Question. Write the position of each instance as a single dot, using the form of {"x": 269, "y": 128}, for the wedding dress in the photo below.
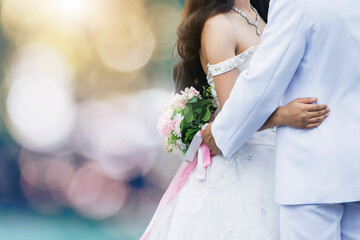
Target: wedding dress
{"x": 235, "y": 201}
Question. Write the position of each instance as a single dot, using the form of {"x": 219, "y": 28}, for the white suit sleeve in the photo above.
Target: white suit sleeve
{"x": 258, "y": 91}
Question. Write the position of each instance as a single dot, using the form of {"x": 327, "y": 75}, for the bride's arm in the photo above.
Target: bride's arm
{"x": 300, "y": 113}
{"x": 219, "y": 44}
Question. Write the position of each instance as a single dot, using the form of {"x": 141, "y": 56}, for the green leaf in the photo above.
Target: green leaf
{"x": 184, "y": 126}
{"x": 176, "y": 111}
{"x": 193, "y": 100}
{"x": 201, "y": 103}
{"x": 190, "y": 133}
{"x": 207, "y": 115}
{"x": 198, "y": 110}
{"x": 173, "y": 138}
{"x": 188, "y": 114}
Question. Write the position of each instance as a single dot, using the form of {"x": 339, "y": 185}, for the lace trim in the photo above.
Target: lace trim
{"x": 228, "y": 65}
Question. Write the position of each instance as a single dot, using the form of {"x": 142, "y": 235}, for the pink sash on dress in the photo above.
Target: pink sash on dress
{"x": 178, "y": 182}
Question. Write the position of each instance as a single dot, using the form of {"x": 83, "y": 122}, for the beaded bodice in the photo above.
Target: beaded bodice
{"x": 240, "y": 61}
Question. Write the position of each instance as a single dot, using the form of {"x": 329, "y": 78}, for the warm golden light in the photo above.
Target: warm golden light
{"x": 123, "y": 37}
{"x": 127, "y": 46}
{"x": 71, "y": 11}
{"x": 165, "y": 20}
{"x": 20, "y": 18}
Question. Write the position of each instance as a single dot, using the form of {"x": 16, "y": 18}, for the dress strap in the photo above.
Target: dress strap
{"x": 230, "y": 64}
{"x": 223, "y": 67}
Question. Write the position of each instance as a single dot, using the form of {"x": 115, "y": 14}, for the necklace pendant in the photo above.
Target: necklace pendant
{"x": 258, "y": 31}
{"x": 250, "y": 22}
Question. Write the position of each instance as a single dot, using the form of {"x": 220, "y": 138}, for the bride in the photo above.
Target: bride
{"x": 235, "y": 201}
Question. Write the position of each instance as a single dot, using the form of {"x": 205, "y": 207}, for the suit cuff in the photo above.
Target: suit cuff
{"x": 217, "y": 134}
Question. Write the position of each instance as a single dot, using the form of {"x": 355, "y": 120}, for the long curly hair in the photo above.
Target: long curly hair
{"x": 188, "y": 71}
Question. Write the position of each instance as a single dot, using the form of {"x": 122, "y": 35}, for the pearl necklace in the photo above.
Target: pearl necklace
{"x": 251, "y": 22}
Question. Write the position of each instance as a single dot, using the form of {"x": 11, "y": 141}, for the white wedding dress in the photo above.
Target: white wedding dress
{"x": 235, "y": 201}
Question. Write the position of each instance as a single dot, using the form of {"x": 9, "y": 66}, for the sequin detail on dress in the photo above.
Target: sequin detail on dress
{"x": 238, "y": 61}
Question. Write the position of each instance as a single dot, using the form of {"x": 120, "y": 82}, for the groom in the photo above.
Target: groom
{"x": 309, "y": 48}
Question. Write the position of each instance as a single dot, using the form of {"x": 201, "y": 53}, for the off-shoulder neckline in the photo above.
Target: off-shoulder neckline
{"x": 236, "y": 56}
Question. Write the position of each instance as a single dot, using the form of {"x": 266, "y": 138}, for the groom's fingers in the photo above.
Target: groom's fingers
{"x": 306, "y": 100}
{"x": 312, "y": 125}
{"x": 215, "y": 152}
{"x": 318, "y": 119}
{"x": 210, "y": 141}
{"x": 316, "y": 107}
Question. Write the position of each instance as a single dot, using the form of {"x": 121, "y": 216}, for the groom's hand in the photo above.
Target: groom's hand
{"x": 210, "y": 141}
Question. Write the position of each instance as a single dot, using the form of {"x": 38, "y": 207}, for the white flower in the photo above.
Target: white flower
{"x": 189, "y": 93}
{"x": 180, "y": 145}
{"x": 176, "y": 122}
{"x": 168, "y": 146}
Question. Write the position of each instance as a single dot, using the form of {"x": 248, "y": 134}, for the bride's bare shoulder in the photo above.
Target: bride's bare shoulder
{"x": 218, "y": 41}
{"x": 218, "y": 24}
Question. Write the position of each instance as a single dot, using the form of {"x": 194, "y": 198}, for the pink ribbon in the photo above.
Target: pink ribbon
{"x": 205, "y": 151}
{"x": 179, "y": 181}
{"x": 206, "y": 155}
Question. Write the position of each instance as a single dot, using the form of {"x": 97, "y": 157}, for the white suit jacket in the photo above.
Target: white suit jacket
{"x": 310, "y": 48}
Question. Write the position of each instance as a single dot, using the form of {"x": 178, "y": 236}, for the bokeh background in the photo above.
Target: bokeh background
{"x": 81, "y": 85}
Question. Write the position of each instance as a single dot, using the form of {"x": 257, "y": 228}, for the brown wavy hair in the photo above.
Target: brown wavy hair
{"x": 188, "y": 71}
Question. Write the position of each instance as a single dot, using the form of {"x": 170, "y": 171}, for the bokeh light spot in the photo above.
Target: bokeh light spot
{"x": 41, "y": 112}
{"x": 123, "y": 37}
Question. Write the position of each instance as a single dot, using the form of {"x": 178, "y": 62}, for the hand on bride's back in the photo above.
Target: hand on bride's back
{"x": 302, "y": 113}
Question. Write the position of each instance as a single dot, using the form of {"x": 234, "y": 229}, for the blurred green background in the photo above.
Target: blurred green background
{"x": 81, "y": 85}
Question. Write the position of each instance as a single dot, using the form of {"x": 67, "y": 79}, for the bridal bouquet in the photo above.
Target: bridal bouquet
{"x": 185, "y": 116}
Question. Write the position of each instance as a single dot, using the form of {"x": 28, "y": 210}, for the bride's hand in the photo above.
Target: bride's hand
{"x": 302, "y": 113}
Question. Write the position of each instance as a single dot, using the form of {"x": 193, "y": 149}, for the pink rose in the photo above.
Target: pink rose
{"x": 163, "y": 124}
{"x": 178, "y": 101}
